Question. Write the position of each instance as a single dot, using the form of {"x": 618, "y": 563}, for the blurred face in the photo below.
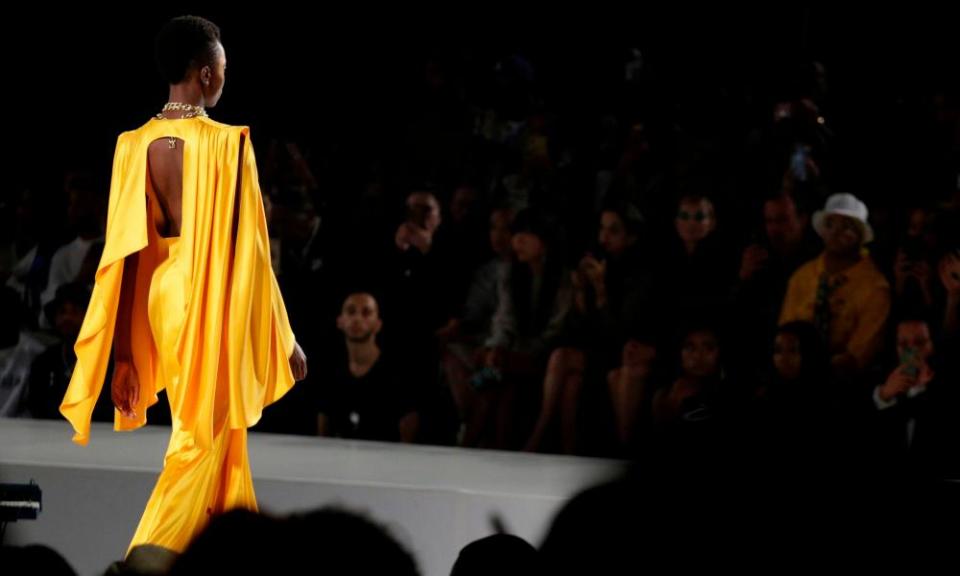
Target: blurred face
{"x": 300, "y": 224}
{"x": 700, "y": 356}
{"x": 613, "y": 236}
{"x": 842, "y": 235}
{"x": 917, "y": 223}
{"x": 787, "y": 359}
{"x": 500, "y": 233}
{"x": 68, "y": 319}
{"x": 783, "y": 225}
{"x": 695, "y": 220}
{"x": 461, "y": 203}
{"x": 359, "y": 318}
{"x": 424, "y": 211}
{"x": 213, "y": 77}
{"x": 528, "y": 247}
{"x": 914, "y": 342}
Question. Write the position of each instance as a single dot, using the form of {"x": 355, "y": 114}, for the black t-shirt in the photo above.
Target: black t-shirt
{"x": 369, "y": 407}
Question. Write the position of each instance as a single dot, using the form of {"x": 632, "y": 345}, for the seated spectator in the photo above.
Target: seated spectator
{"x": 50, "y": 372}
{"x": 612, "y": 290}
{"x": 367, "y": 393}
{"x": 464, "y": 353}
{"x": 841, "y": 292}
{"x": 918, "y": 404}
{"x": 765, "y": 269}
{"x": 534, "y": 298}
{"x": 18, "y": 349}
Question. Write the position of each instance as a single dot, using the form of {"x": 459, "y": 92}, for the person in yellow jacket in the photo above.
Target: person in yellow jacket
{"x": 841, "y": 291}
{"x": 185, "y": 296}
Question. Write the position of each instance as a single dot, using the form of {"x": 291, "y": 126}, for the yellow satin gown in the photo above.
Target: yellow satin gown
{"x": 209, "y": 324}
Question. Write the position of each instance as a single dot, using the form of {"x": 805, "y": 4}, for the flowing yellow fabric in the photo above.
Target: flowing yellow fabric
{"x": 208, "y": 324}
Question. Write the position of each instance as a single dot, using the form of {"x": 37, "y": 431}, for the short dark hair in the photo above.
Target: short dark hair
{"x": 628, "y": 213}
{"x": 184, "y": 42}
{"x": 532, "y": 221}
{"x": 342, "y": 533}
{"x": 783, "y": 195}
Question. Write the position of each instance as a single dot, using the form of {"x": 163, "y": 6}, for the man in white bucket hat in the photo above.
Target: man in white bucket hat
{"x": 844, "y": 205}
{"x": 841, "y": 291}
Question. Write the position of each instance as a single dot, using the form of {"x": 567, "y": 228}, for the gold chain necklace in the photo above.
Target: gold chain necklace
{"x": 189, "y": 111}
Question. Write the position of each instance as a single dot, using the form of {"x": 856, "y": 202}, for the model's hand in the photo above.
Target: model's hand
{"x": 125, "y": 388}
{"x": 298, "y": 363}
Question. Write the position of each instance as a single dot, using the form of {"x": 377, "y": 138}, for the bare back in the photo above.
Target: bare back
{"x": 165, "y": 170}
